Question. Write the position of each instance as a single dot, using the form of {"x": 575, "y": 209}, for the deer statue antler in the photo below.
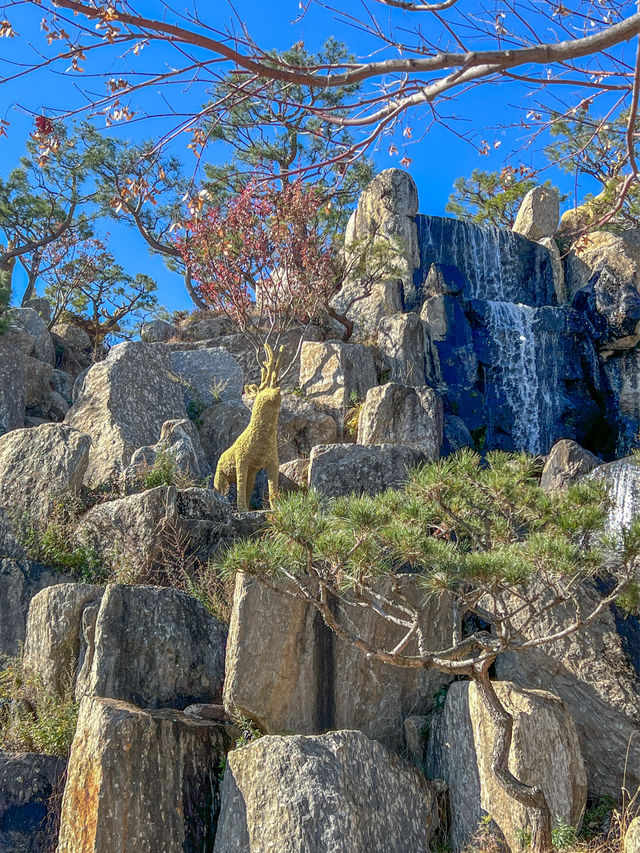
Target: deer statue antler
{"x": 269, "y": 373}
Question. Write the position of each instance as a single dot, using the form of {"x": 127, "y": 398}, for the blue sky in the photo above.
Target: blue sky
{"x": 438, "y": 158}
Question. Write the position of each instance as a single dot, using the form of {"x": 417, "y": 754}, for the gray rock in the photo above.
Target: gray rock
{"x": 141, "y": 780}
{"x": 157, "y": 331}
{"x": 592, "y": 672}
{"x": 407, "y": 353}
{"x": 52, "y": 644}
{"x": 10, "y": 545}
{"x": 544, "y": 740}
{"x": 333, "y": 374}
{"x": 29, "y": 805}
{"x": 396, "y": 414}
{"x": 339, "y": 469}
{"x": 38, "y": 375}
{"x": 74, "y": 352}
{"x": 71, "y": 336}
{"x": 178, "y": 439}
{"x": 322, "y": 681}
{"x": 294, "y": 475}
{"x": 13, "y": 382}
{"x": 39, "y": 464}
{"x": 208, "y": 376}
{"x": 155, "y": 647}
{"x": 338, "y": 792}
{"x": 557, "y": 267}
{"x": 206, "y": 329}
{"x": 29, "y": 321}
{"x": 62, "y": 383}
{"x": 539, "y": 213}
{"x": 301, "y": 427}
{"x": 42, "y": 306}
{"x": 123, "y": 402}
{"x": 58, "y": 407}
{"x": 566, "y": 464}
{"x": 455, "y": 435}
{"x": 20, "y": 580}
{"x": 220, "y": 425}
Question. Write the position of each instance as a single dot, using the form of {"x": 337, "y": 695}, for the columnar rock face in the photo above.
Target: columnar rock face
{"x": 141, "y": 781}
{"x": 123, "y": 403}
{"x": 28, "y": 802}
{"x": 13, "y": 385}
{"x": 596, "y": 673}
{"x": 385, "y": 219}
{"x": 339, "y": 469}
{"x": 289, "y": 673}
{"x": 155, "y": 647}
{"x": 339, "y": 792}
{"x": 539, "y": 214}
{"x": 407, "y": 353}
{"x": 39, "y": 464}
{"x": 20, "y": 580}
{"x": 178, "y": 440}
{"x": 208, "y": 376}
{"x": 545, "y": 751}
{"x": 333, "y": 374}
{"x": 52, "y": 645}
{"x": 566, "y": 464}
{"x": 395, "y": 414}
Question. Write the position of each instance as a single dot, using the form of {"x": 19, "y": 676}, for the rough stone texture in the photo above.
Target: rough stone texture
{"x": 338, "y": 792}
{"x": 566, "y": 464}
{"x": 339, "y": 469}
{"x": 28, "y": 320}
{"x": 396, "y": 414}
{"x": 557, "y": 267}
{"x": 455, "y": 435}
{"x": 38, "y": 464}
{"x": 10, "y": 546}
{"x": 27, "y": 785}
{"x": 20, "y": 580}
{"x": 41, "y": 305}
{"x": 157, "y": 331}
{"x": 545, "y": 751}
{"x": 178, "y": 439}
{"x": 322, "y": 682}
{"x": 52, "y": 644}
{"x": 330, "y": 373}
{"x": 632, "y": 837}
{"x": 13, "y": 382}
{"x": 72, "y": 336}
{"x": 407, "y": 353}
{"x": 206, "y": 329}
{"x": 38, "y": 377}
{"x": 122, "y": 404}
{"x": 593, "y": 673}
{"x": 295, "y": 474}
{"x": 208, "y": 376}
{"x": 539, "y": 213}
{"x": 302, "y": 426}
{"x": 385, "y": 215}
{"x": 221, "y": 425}
{"x": 141, "y": 781}
{"x": 156, "y": 647}
{"x": 62, "y": 383}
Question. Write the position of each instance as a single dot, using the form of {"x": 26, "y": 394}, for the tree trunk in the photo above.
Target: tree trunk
{"x": 531, "y": 797}
{"x": 200, "y": 305}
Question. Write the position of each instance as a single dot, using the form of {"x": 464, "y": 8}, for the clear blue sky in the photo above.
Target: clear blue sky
{"x": 437, "y": 158}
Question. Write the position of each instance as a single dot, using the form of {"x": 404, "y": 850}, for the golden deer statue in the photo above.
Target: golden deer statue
{"x": 257, "y": 446}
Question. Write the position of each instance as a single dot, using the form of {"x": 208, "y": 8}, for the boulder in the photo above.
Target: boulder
{"x": 141, "y": 780}
{"x": 30, "y": 785}
{"x": 39, "y": 464}
{"x": 338, "y": 792}
{"x": 294, "y": 475}
{"x": 301, "y": 427}
{"x": 157, "y": 331}
{"x": 396, "y": 414}
{"x": 566, "y": 464}
{"x": 220, "y": 425}
{"x": 455, "y": 435}
{"x": 385, "y": 219}
{"x": 339, "y": 469}
{"x": 72, "y": 337}
{"x": 41, "y": 305}
{"x": 53, "y": 638}
{"x": 62, "y": 383}
{"x": 545, "y": 751}
{"x": 557, "y": 267}
{"x": 178, "y": 440}
{"x": 405, "y": 345}
{"x": 156, "y": 647}
{"x": 208, "y": 376}
{"x": 322, "y": 681}
{"x": 13, "y": 383}
{"x": 632, "y": 837}
{"x": 28, "y": 320}
{"x": 38, "y": 376}
{"x": 206, "y": 329}
{"x": 123, "y": 403}
{"x": 10, "y": 546}
{"x": 593, "y": 672}
{"x": 20, "y": 580}
{"x": 539, "y": 214}
{"x": 334, "y": 374}
{"x": 73, "y": 348}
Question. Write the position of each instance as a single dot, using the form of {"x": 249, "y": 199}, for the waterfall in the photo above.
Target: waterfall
{"x": 623, "y": 477}
{"x": 523, "y": 374}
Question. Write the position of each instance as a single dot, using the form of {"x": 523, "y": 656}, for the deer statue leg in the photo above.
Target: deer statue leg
{"x": 242, "y": 483}
{"x": 272, "y": 478}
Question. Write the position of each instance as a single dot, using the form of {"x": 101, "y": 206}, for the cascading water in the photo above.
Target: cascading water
{"x": 523, "y": 374}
